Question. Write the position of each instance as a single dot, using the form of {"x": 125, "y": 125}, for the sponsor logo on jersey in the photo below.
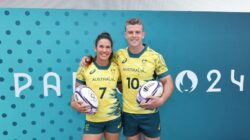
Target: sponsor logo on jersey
{"x": 92, "y": 71}
{"x": 124, "y": 61}
{"x": 144, "y": 61}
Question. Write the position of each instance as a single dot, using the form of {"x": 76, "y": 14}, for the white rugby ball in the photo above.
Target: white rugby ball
{"x": 86, "y": 95}
{"x": 150, "y": 88}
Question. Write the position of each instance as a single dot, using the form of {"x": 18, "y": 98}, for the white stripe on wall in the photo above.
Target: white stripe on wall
{"x": 156, "y": 5}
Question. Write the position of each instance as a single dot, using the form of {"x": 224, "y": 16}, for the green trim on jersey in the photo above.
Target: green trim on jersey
{"x": 103, "y": 81}
{"x": 163, "y": 75}
{"x": 137, "y": 55}
{"x": 102, "y": 67}
{"x": 81, "y": 82}
{"x": 137, "y": 69}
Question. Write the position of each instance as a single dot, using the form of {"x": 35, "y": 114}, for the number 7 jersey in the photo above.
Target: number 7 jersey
{"x": 103, "y": 81}
{"x": 136, "y": 69}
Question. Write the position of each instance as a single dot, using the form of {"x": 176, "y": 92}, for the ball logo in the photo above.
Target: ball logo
{"x": 93, "y": 97}
{"x": 145, "y": 89}
{"x": 186, "y": 81}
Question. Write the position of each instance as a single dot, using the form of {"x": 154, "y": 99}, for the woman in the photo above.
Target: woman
{"x": 102, "y": 76}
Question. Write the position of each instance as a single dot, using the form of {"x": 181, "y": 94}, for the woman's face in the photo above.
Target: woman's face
{"x": 103, "y": 49}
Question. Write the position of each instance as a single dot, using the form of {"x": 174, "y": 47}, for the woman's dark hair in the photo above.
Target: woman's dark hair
{"x": 105, "y": 35}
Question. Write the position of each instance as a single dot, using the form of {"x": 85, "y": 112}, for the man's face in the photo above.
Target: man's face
{"x": 134, "y": 35}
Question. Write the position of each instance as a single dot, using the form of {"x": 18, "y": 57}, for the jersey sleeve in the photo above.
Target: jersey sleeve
{"x": 80, "y": 76}
{"x": 115, "y": 57}
{"x": 161, "y": 67}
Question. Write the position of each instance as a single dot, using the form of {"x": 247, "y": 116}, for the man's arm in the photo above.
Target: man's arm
{"x": 86, "y": 61}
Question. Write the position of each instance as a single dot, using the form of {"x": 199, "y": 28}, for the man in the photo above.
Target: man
{"x": 138, "y": 64}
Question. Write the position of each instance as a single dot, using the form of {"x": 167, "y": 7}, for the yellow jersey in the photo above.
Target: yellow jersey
{"x": 103, "y": 81}
{"x": 136, "y": 69}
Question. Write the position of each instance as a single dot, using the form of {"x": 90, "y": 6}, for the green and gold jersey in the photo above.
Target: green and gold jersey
{"x": 103, "y": 81}
{"x": 136, "y": 69}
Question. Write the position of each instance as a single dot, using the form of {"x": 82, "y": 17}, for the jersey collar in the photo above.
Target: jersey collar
{"x": 102, "y": 67}
{"x": 138, "y": 54}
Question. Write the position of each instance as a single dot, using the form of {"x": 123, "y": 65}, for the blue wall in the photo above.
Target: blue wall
{"x": 209, "y": 45}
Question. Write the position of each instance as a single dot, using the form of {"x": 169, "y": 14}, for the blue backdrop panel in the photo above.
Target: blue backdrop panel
{"x": 207, "y": 53}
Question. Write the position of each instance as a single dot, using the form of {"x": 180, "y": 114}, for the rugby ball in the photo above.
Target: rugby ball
{"x": 86, "y": 95}
{"x": 150, "y": 88}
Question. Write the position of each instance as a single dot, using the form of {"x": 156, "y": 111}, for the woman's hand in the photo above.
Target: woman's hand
{"x": 80, "y": 107}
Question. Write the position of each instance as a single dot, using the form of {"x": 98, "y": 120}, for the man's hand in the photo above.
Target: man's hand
{"x": 153, "y": 103}
{"x": 86, "y": 61}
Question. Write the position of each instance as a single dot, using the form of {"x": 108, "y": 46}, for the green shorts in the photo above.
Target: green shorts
{"x": 112, "y": 126}
{"x": 148, "y": 124}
